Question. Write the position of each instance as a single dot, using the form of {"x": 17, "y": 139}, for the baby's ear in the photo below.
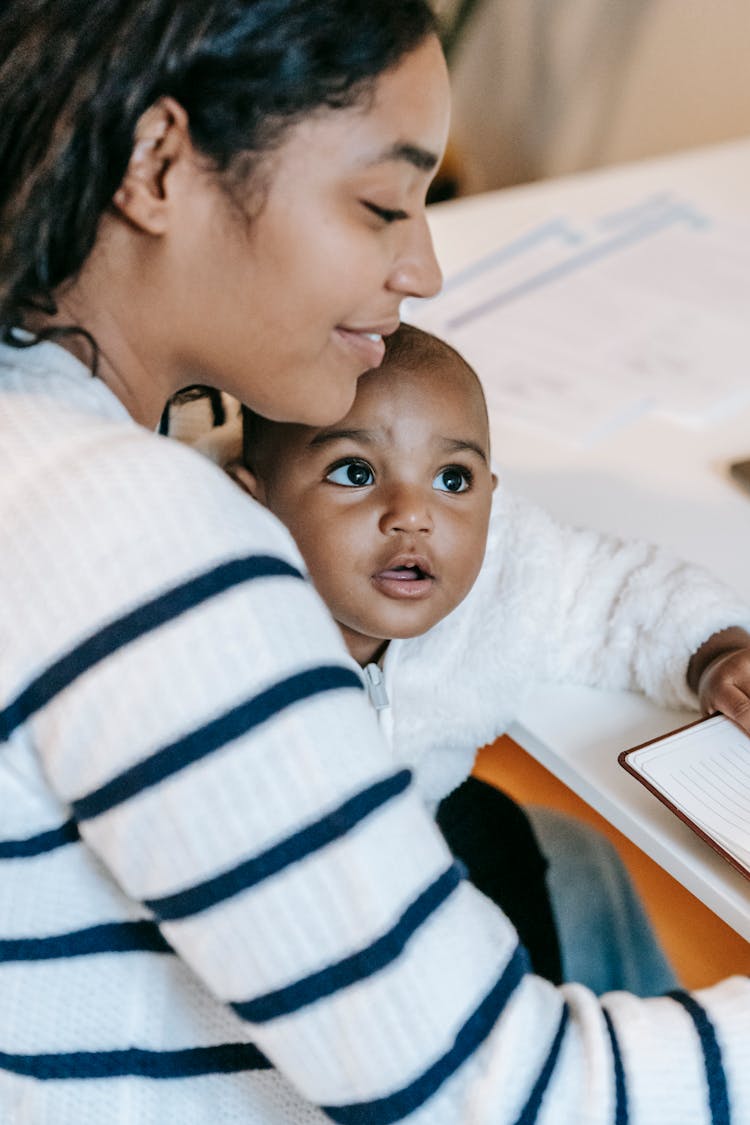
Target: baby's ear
{"x": 247, "y": 480}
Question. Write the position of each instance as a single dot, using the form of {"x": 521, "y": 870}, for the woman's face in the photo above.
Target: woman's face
{"x": 286, "y": 310}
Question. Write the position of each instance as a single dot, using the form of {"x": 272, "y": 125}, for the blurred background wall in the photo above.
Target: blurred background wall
{"x": 546, "y": 87}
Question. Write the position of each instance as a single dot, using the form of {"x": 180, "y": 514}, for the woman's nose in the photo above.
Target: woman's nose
{"x": 407, "y": 509}
{"x": 416, "y": 272}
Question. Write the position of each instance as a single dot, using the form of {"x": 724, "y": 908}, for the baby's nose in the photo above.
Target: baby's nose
{"x": 408, "y": 509}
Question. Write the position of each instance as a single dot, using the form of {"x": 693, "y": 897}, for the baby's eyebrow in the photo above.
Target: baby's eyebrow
{"x": 464, "y": 445}
{"x": 325, "y": 437}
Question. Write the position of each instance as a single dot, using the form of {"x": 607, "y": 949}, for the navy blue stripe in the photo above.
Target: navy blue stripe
{"x": 227, "y": 1058}
{"x": 210, "y": 737}
{"x": 718, "y": 1095}
{"x": 295, "y": 847}
{"x": 48, "y": 841}
{"x": 108, "y": 937}
{"x": 530, "y": 1111}
{"x": 471, "y": 1036}
{"x": 622, "y": 1114}
{"x": 359, "y": 965}
{"x": 137, "y": 623}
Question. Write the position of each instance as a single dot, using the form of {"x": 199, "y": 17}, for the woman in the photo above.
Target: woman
{"x": 209, "y": 868}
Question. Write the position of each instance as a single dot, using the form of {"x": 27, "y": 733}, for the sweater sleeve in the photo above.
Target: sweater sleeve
{"x": 626, "y": 614}
{"x": 195, "y": 709}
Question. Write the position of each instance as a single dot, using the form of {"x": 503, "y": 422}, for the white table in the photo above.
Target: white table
{"x": 652, "y": 479}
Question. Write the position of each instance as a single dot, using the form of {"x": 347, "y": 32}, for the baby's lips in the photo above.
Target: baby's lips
{"x": 405, "y": 580}
{"x": 407, "y": 565}
{"x": 406, "y": 575}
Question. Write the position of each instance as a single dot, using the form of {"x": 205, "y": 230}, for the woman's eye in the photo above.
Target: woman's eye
{"x": 452, "y": 479}
{"x": 387, "y": 214}
{"x": 352, "y": 474}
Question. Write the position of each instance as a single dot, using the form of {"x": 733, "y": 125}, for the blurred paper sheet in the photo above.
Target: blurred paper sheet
{"x": 578, "y": 328}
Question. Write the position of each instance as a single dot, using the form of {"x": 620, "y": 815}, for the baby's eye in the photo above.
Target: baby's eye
{"x": 452, "y": 479}
{"x": 351, "y": 473}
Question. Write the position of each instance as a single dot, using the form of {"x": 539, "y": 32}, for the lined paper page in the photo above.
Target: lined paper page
{"x": 705, "y": 772}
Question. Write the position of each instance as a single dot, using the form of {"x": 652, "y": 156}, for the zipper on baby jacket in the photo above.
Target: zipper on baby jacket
{"x": 375, "y": 681}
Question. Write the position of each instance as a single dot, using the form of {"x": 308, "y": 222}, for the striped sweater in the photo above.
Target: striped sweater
{"x": 220, "y": 897}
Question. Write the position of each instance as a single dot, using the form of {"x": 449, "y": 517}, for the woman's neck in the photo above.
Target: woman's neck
{"x": 131, "y": 352}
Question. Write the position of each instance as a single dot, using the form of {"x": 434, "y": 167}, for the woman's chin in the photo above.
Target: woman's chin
{"x": 326, "y": 410}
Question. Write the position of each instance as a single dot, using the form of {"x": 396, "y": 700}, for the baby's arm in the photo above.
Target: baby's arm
{"x": 719, "y": 674}
{"x": 621, "y": 614}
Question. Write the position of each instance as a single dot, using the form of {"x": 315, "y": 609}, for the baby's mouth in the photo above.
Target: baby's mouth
{"x": 405, "y": 580}
{"x": 413, "y": 573}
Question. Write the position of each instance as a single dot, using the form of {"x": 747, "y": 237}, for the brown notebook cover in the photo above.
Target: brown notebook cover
{"x": 624, "y": 760}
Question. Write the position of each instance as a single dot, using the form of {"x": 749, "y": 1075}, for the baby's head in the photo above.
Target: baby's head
{"x": 389, "y": 507}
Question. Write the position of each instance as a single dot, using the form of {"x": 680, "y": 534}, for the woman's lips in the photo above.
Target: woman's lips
{"x": 368, "y": 347}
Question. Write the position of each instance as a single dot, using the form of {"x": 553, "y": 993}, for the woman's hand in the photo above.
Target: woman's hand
{"x": 719, "y": 674}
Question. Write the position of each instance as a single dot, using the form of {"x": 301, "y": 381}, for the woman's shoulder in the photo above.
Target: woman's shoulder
{"x": 124, "y": 522}
{"x": 80, "y": 479}
{"x": 157, "y": 497}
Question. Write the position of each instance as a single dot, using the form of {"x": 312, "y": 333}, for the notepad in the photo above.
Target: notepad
{"x": 702, "y": 773}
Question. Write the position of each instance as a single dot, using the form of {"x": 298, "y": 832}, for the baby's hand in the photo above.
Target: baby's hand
{"x": 719, "y": 673}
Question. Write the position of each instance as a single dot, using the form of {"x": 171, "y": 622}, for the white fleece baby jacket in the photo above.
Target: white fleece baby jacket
{"x": 552, "y": 603}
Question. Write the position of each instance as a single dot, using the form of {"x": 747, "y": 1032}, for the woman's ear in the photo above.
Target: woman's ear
{"x": 162, "y": 140}
{"x": 247, "y": 480}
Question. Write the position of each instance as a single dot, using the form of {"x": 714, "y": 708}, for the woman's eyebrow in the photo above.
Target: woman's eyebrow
{"x": 421, "y": 158}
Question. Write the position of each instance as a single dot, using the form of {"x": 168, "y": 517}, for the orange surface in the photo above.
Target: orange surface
{"x": 701, "y": 947}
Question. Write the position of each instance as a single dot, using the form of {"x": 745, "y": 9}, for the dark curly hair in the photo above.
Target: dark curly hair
{"x": 76, "y": 76}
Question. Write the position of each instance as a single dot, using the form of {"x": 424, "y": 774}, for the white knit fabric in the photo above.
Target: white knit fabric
{"x": 273, "y": 832}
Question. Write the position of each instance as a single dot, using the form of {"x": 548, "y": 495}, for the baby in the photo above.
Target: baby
{"x": 457, "y": 597}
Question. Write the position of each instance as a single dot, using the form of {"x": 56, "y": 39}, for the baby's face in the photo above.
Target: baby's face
{"x": 390, "y": 507}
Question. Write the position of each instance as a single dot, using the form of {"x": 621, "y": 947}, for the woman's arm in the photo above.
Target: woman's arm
{"x": 196, "y": 710}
